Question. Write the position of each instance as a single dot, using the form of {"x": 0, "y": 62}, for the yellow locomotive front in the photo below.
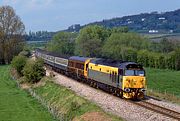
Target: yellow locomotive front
{"x": 134, "y": 82}
{"x": 124, "y": 79}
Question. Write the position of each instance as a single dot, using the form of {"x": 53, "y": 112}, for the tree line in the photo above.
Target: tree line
{"x": 118, "y": 44}
{"x": 39, "y": 36}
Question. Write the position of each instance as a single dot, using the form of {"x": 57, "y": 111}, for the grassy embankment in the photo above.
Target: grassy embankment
{"x": 70, "y": 105}
{"x": 16, "y": 104}
{"x": 164, "y": 83}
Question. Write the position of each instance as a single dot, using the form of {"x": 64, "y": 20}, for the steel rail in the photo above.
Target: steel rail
{"x": 159, "y": 109}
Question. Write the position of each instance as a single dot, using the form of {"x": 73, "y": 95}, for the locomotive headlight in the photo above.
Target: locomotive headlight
{"x": 127, "y": 89}
{"x": 143, "y": 90}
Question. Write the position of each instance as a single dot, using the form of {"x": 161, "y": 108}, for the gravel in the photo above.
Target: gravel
{"x": 115, "y": 105}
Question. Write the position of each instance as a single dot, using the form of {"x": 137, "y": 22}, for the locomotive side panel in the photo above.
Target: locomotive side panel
{"x": 104, "y": 74}
{"x": 76, "y": 68}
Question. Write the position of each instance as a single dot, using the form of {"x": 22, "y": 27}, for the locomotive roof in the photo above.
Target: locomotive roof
{"x": 78, "y": 58}
{"x": 114, "y": 63}
{"x": 52, "y": 53}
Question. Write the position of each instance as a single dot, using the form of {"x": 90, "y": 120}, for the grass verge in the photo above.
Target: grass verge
{"x": 70, "y": 104}
{"x": 16, "y": 104}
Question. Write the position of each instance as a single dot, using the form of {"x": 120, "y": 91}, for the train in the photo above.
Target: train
{"x": 122, "y": 78}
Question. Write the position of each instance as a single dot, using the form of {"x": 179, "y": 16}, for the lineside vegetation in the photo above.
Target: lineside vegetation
{"x": 69, "y": 104}
{"x": 16, "y": 104}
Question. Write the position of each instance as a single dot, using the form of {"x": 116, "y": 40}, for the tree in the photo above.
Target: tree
{"x": 129, "y": 54}
{"x": 120, "y": 30}
{"x": 142, "y": 57}
{"x": 115, "y": 46}
{"x": 34, "y": 71}
{"x": 11, "y": 31}
{"x": 90, "y": 41}
{"x": 63, "y": 43}
{"x": 166, "y": 46}
{"x": 177, "y": 59}
{"x": 18, "y": 63}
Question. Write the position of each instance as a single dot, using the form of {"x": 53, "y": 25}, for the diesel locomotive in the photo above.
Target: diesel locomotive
{"x": 124, "y": 79}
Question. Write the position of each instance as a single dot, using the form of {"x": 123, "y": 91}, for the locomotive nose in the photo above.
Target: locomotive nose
{"x": 134, "y": 82}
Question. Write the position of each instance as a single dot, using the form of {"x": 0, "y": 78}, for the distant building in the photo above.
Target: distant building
{"x": 128, "y": 19}
{"x": 171, "y": 31}
{"x": 143, "y": 19}
{"x": 153, "y": 31}
{"x": 162, "y": 18}
{"x": 129, "y": 22}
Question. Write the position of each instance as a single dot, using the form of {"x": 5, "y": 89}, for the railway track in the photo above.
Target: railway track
{"x": 159, "y": 109}
{"x": 156, "y": 108}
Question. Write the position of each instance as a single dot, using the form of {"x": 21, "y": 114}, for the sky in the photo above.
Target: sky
{"x": 55, "y": 15}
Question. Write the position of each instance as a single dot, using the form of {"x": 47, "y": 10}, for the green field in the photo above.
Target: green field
{"x": 165, "y": 81}
{"x": 16, "y": 104}
{"x": 34, "y": 45}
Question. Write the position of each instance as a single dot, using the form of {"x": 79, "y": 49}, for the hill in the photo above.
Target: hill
{"x": 154, "y": 22}
{"x": 146, "y": 23}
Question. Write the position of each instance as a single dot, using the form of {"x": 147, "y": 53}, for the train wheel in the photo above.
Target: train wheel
{"x": 91, "y": 83}
{"x": 97, "y": 86}
{"x": 111, "y": 90}
{"x": 115, "y": 92}
{"x": 121, "y": 94}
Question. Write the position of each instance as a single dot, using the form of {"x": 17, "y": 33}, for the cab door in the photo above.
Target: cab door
{"x": 86, "y": 64}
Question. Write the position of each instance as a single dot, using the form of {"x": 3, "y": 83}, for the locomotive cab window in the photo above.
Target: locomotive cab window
{"x": 134, "y": 73}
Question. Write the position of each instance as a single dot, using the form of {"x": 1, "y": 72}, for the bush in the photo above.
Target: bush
{"x": 34, "y": 71}
{"x": 18, "y": 63}
{"x": 25, "y": 53}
